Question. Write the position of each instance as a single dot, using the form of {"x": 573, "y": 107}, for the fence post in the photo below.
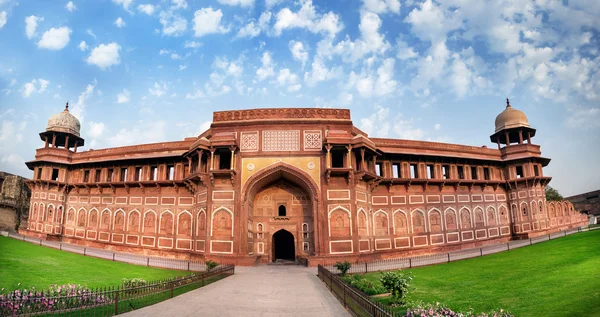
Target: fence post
{"x": 480, "y": 252}
{"x": 529, "y": 241}
{"x": 507, "y": 246}
{"x": 113, "y": 256}
{"x": 172, "y": 284}
{"x": 188, "y": 265}
{"x": 117, "y": 302}
{"x": 61, "y": 246}
{"x": 84, "y": 249}
{"x": 202, "y": 279}
{"x": 344, "y": 287}
{"x": 448, "y": 257}
{"x": 148, "y": 262}
{"x": 40, "y": 241}
{"x": 366, "y": 269}
{"x": 409, "y": 263}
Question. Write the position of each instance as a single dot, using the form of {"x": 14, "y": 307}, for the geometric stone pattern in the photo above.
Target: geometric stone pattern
{"x": 281, "y": 140}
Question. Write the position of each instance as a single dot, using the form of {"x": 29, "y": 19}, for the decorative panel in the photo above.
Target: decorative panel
{"x": 249, "y": 141}
{"x": 312, "y": 140}
{"x": 281, "y": 140}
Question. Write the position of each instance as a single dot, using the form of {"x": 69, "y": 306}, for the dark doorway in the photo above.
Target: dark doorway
{"x": 282, "y": 212}
{"x": 283, "y": 246}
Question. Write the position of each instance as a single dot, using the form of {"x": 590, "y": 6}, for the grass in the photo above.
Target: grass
{"x": 555, "y": 278}
{"x": 33, "y": 265}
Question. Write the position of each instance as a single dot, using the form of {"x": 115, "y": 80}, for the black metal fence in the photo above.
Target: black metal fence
{"x": 104, "y": 301}
{"x": 353, "y": 299}
{"x": 438, "y": 258}
{"x": 164, "y": 263}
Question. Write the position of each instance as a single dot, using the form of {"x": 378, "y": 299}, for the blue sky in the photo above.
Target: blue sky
{"x": 137, "y": 71}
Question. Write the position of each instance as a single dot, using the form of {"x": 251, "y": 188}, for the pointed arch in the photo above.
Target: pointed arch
{"x": 92, "y": 221}
{"x": 400, "y": 222}
{"x": 201, "y": 223}
{"x": 166, "y": 224}
{"x": 71, "y": 219}
{"x": 363, "y": 222}
{"x": 491, "y": 216}
{"x": 59, "y": 215}
{"x": 81, "y": 217}
{"x": 150, "y": 218}
{"x": 42, "y": 212}
{"x": 133, "y": 221}
{"x": 435, "y": 220}
{"x": 418, "y": 222}
{"x": 534, "y": 211}
{"x": 339, "y": 221}
{"x": 381, "y": 223}
{"x": 503, "y": 215}
{"x": 450, "y": 219}
{"x": 34, "y": 213}
{"x": 222, "y": 220}
{"x": 479, "y": 217}
{"x": 105, "y": 219}
{"x": 466, "y": 221}
{"x": 524, "y": 211}
{"x": 184, "y": 223}
{"x": 119, "y": 220}
{"x": 514, "y": 213}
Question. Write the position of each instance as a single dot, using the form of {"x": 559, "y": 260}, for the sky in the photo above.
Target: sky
{"x": 141, "y": 71}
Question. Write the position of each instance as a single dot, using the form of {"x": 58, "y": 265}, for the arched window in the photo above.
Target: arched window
{"x": 282, "y": 211}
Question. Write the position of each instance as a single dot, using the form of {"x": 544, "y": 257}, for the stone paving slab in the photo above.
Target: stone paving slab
{"x": 254, "y": 291}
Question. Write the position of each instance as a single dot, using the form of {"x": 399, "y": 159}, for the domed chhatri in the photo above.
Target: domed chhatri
{"x": 511, "y": 118}
{"x": 64, "y": 122}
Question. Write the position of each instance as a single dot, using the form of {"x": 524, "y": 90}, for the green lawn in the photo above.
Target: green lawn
{"x": 555, "y": 278}
{"x": 33, "y": 265}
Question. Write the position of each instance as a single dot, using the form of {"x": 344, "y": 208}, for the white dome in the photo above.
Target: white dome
{"x": 64, "y": 122}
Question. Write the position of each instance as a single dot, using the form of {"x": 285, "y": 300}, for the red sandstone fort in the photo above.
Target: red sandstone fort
{"x": 292, "y": 183}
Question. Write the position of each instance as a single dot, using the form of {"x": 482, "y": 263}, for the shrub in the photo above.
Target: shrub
{"x": 210, "y": 265}
{"x": 364, "y": 285}
{"x": 397, "y": 284}
{"x": 439, "y": 310}
{"x": 134, "y": 282}
{"x": 343, "y": 267}
{"x": 57, "y": 297}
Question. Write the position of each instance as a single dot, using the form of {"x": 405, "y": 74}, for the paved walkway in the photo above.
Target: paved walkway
{"x": 255, "y": 291}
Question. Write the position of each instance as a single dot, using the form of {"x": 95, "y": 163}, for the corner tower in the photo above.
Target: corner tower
{"x": 525, "y": 181}
{"x": 63, "y": 131}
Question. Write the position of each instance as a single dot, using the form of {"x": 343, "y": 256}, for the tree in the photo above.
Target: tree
{"x": 553, "y": 194}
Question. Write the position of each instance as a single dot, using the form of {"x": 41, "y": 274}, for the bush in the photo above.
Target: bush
{"x": 439, "y": 310}
{"x": 343, "y": 267}
{"x": 210, "y": 265}
{"x": 134, "y": 282}
{"x": 364, "y": 285}
{"x": 397, "y": 284}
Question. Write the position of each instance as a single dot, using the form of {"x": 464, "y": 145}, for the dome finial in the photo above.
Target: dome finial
{"x": 67, "y": 107}
{"x": 508, "y": 103}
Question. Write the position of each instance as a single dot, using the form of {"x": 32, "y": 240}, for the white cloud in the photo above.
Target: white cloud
{"x": 124, "y": 3}
{"x": 70, "y": 6}
{"x": 55, "y": 38}
{"x": 123, "y": 97}
{"x": 173, "y": 24}
{"x": 253, "y": 28}
{"x": 146, "y": 8}
{"x": 144, "y": 132}
{"x": 437, "y": 127}
{"x": 271, "y": 3}
{"x": 158, "y": 89}
{"x": 195, "y": 94}
{"x": 192, "y": 44}
{"x": 405, "y": 130}
{"x": 266, "y": 70}
{"x": 382, "y": 6}
{"x": 175, "y": 56}
{"x": 179, "y": 4}
{"x": 119, "y": 22}
{"x": 90, "y": 33}
{"x": 289, "y": 79}
{"x": 429, "y": 22}
{"x": 299, "y": 51}
{"x": 583, "y": 118}
{"x": 208, "y": 21}
{"x": 380, "y": 84}
{"x": 377, "y": 124}
{"x": 404, "y": 51}
{"x": 83, "y": 46}
{"x": 96, "y": 129}
{"x": 319, "y": 72}
{"x": 307, "y": 17}
{"x": 31, "y": 24}
{"x": 35, "y": 86}
{"x": 182, "y": 67}
{"x": 242, "y": 3}
{"x": 2, "y": 19}
{"x": 105, "y": 55}
{"x": 78, "y": 109}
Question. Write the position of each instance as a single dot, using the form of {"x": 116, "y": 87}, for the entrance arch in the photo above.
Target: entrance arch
{"x": 284, "y": 247}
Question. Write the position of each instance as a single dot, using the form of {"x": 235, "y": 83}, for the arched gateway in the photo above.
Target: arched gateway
{"x": 282, "y": 201}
